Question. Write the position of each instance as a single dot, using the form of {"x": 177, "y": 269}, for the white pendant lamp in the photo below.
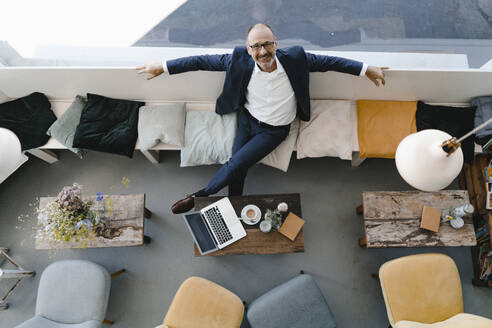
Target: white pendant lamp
{"x": 11, "y": 156}
{"x": 430, "y": 160}
{"x": 422, "y": 162}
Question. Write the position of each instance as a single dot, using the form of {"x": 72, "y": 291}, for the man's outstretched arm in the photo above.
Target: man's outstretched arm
{"x": 187, "y": 64}
{"x": 320, "y": 63}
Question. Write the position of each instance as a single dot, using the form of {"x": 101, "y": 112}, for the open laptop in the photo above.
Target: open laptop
{"x": 215, "y": 226}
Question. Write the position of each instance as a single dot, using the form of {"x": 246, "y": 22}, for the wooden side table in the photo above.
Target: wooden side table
{"x": 123, "y": 224}
{"x": 392, "y": 219}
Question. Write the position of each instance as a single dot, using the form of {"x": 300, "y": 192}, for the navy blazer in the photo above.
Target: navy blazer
{"x": 239, "y": 66}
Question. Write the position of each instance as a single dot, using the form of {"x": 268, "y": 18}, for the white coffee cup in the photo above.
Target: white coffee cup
{"x": 250, "y": 214}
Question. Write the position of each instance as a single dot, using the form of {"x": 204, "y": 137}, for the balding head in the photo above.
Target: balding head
{"x": 261, "y": 27}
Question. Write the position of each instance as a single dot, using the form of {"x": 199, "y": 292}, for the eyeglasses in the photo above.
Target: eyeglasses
{"x": 267, "y": 45}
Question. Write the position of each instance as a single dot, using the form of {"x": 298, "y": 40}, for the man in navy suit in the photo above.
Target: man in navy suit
{"x": 269, "y": 87}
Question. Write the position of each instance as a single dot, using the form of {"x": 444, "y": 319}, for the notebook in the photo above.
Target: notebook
{"x": 431, "y": 219}
{"x": 291, "y": 226}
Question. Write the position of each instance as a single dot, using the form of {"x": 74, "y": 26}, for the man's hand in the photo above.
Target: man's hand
{"x": 154, "y": 69}
{"x": 374, "y": 73}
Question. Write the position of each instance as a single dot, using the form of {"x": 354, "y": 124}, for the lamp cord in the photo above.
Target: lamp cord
{"x": 474, "y": 130}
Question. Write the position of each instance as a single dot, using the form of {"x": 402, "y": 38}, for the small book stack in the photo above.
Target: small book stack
{"x": 485, "y": 258}
{"x": 487, "y": 172}
{"x": 482, "y": 232}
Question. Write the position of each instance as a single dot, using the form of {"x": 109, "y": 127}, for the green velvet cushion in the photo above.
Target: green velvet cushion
{"x": 29, "y": 118}
{"x": 108, "y": 125}
{"x": 164, "y": 123}
{"x": 63, "y": 130}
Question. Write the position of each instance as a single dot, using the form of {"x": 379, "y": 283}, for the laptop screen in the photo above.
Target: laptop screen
{"x": 200, "y": 231}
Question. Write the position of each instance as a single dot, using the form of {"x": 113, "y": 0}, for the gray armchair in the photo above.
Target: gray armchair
{"x": 297, "y": 303}
{"x": 71, "y": 294}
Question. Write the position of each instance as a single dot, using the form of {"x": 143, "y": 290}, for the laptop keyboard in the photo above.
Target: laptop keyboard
{"x": 218, "y": 225}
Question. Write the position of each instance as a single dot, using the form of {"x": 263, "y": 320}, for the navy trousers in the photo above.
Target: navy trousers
{"x": 252, "y": 143}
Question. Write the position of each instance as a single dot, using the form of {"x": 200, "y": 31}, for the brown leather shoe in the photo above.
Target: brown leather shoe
{"x": 183, "y": 205}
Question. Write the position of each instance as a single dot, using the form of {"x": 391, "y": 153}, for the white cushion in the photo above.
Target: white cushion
{"x": 164, "y": 123}
{"x": 461, "y": 320}
{"x": 208, "y": 138}
{"x": 330, "y": 130}
{"x": 280, "y": 157}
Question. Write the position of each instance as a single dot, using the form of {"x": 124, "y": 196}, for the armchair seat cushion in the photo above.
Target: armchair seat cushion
{"x": 40, "y": 322}
{"x": 73, "y": 291}
{"x": 458, "y": 321}
{"x": 423, "y": 288}
{"x": 298, "y": 303}
{"x": 201, "y": 303}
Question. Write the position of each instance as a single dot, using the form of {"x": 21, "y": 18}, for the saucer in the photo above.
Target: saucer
{"x": 255, "y": 219}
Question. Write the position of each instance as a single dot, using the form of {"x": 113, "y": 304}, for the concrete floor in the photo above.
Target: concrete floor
{"x": 330, "y": 190}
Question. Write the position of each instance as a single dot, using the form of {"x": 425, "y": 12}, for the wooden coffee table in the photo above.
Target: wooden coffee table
{"x": 392, "y": 219}
{"x": 257, "y": 242}
{"x": 124, "y": 223}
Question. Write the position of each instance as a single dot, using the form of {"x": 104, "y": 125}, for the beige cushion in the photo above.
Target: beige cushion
{"x": 279, "y": 158}
{"x": 201, "y": 303}
{"x": 382, "y": 125}
{"x": 423, "y": 288}
{"x": 462, "y": 320}
{"x": 330, "y": 130}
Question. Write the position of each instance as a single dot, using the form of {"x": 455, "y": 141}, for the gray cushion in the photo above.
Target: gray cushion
{"x": 64, "y": 127}
{"x": 208, "y": 138}
{"x": 40, "y": 322}
{"x": 482, "y": 114}
{"x": 73, "y": 291}
{"x": 164, "y": 123}
{"x": 298, "y": 303}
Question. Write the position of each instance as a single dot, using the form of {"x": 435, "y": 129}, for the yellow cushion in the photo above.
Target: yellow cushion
{"x": 423, "y": 288}
{"x": 201, "y": 303}
{"x": 382, "y": 125}
{"x": 462, "y": 320}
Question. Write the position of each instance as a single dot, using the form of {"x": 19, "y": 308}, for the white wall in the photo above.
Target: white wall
{"x": 438, "y": 86}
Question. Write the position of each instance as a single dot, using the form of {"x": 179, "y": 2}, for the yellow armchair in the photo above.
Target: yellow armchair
{"x": 201, "y": 303}
{"x": 424, "y": 291}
